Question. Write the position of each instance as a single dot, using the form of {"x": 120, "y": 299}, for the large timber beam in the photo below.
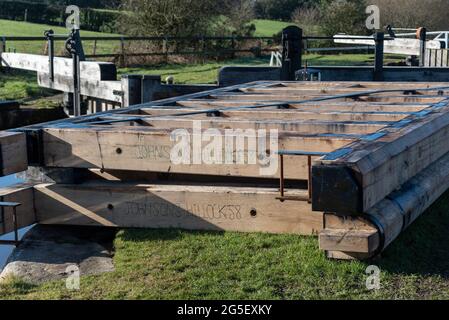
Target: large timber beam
{"x": 297, "y": 126}
{"x": 13, "y": 153}
{"x": 289, "y": 114}
{"x": 144, "y": 149}
{"x": 22, "y": 194}
{"x": 95, "y": 71}
{"x": 175, "y": 206}
{"x": 300, "y": 97}
{"x": 355, "y": 178}
{"x": 354, "y": 106}
{"x": 355, "y": 237}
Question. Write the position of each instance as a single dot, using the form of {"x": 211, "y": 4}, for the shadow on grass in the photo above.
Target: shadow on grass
{"x": 423, "y": 249}
{"x": 142, "y": 235}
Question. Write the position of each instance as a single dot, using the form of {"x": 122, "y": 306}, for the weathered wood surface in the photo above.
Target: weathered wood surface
{"x": 378, "y": 137}
{"x": 13, "y": 153}
{"x": 174, "y": 206}
{"x": 437, "y": 58}
{"x": 397, "y": 46}
{"x": 149, "y": 150}
{"x": 95, "y": 71}
{"x": 395, "y": 213}
{"x": 354, "y": 179}
{"x": 22, "y": 194}
{"x": 107, "y": 90}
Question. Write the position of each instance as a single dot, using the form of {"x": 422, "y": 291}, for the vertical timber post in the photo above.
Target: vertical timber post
{"x": 422, "y": 35}
{"x": 132, "y": 90}
{"x": 150, "y": 85}
{"x": 291, "y": 52}
{"x": 379, "y": 39}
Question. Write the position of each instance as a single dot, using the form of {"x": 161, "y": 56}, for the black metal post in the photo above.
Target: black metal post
{"x": 422, "y": 34}
{"x": 291, "y": 52}
{"x": 51, "y": 53}
{"x": 379, "y": 39}
{"x": 76, "y": 85}
{"x": 75, "y": 48}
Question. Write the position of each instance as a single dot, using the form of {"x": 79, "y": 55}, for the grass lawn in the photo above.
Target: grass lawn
{"x": 208, "y": 72}
{"x": 174, "y": 264}
{"x": 19, "y": 28}
{"x": 268, "y": 28}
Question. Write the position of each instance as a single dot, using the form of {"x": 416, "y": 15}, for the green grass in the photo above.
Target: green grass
{"x": 174, "y": 264}
{"x": 268, "y": 28}
{"x": 19, "y": 28}
{"x": 207, "y": 73}
{"x": 20, "y": 85}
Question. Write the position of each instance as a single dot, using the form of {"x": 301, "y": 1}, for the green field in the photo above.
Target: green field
{"x": 18, "y": 28}
{"x": 174, "y": 264}
{"x": 268, "y": 28}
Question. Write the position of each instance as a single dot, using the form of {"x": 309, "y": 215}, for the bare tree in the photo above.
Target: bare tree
{"x": 308, "y": 19}
{"x": 432, "y": 14}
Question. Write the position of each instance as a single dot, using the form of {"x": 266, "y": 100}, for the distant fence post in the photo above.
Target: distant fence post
{"x": 165, "y": 48}
{"x": 132, "y": 90}
{"x": 291, "y": 52}
{"x": 122, "y": 53}
{"x": 94, "y": 50}
{"x": 233, "y": 46}
{"x": 422, "y": 35}
{"x": 379, "y": 39}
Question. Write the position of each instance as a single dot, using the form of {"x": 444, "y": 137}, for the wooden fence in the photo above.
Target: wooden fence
{"x": 437, "y": 58}
{"x": 123, "y": 48}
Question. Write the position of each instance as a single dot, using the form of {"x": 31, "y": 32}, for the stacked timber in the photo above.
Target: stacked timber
{"x": 356, "y": 163}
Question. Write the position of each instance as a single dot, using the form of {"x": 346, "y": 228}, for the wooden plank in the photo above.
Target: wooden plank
{"x": 89, "y": 86}
{"x": 354, "y": 179}
{"x": 144, "y": 149}
{"x": 174, "y": 206}
{"x": 291, "y": 98}
{"x": 396, "y": 46}
{"x": 439, "y": 58}
{"x": 22, "y": 194}
{"x": 288, "y": 114}
{"x": 357, "y": 241}
{"x": 428, "y": 58}
{"x": 13, "y": 153}
{"x": 354, "y": 106}
{"x": 92, "y": 70}
{"x": 357, "y": 84}
{"x": 305, "y": 91}
{"x": 297, "y": 126}
{"x": 445, "y": 58}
